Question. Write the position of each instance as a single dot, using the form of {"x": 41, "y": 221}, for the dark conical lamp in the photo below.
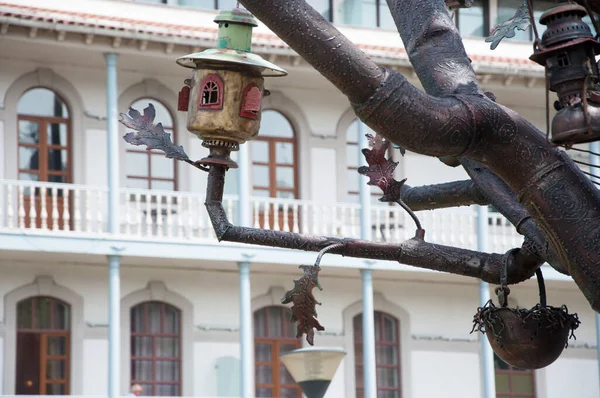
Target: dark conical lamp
{"x": 313, "y": 368}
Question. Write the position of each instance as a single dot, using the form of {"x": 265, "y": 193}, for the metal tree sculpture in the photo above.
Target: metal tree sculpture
{"x": 512, "y": 165}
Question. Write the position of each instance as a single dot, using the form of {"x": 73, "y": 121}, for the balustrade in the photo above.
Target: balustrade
{"x": 176, "y": 215}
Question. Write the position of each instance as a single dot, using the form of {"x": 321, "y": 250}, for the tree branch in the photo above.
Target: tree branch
{"x": 434, "y": 47}
{"x": 439, "y": 196}
{"x": 414, "y": 252}
{"x": 431, "y": 126}
{"x": 437, "y": 53}
{"x": 321, "y": 45}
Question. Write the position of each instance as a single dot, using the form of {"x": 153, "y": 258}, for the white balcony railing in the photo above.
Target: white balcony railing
{"x": 149, "y": 214}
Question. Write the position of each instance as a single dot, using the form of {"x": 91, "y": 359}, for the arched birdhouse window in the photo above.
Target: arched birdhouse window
{"x": 251, "y": 101}
{"x": 211, "y": 96}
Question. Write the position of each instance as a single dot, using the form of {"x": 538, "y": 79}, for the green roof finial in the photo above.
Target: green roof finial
{"x": 235, "y": 29}
{"x": 234, "y": 44}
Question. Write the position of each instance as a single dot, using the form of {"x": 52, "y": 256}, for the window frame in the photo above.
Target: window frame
{"x": 44, "y": 333}
{"x": 275, "y": 343}
{"x": 486, "y": 18}
{"x": 153, "y": 152}
{"x": 43, "y": 172}
{"x": 511, "y": 371}
{"x": 272, "y": 164}
{"x": 218, "y": 82}
{"x": 358, "y": 367}
{"x": 154, "y": 337}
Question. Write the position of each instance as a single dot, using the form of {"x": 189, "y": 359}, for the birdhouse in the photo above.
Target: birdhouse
{"x": 224, "y": 95}
{"x": 568, "y": 50}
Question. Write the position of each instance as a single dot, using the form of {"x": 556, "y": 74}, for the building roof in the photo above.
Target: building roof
{"x": 203, "y": 36}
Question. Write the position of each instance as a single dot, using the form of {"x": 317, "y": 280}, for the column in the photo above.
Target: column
{"x": 369, "y": 364}
{"x": 370, "y": 367}
{"x": 114, "y": 283}
{"x": 364, "y": 190}
{"x": 243, "y": 186}
{"x": 487, "y": 354}
{"x": 246, "y": 338}
{"x": 595, "y": 170}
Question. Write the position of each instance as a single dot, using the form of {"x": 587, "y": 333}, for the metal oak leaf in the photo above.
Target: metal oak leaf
{"x": 304, "y": 303}
{"x": 381, "y": 170}
{"x": 150, "y": 134}
{"x": 507, "y": 28}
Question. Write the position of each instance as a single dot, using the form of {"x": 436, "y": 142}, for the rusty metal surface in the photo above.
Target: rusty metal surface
{"x": 456, "y": 119}
{"x": 414, "y": 252}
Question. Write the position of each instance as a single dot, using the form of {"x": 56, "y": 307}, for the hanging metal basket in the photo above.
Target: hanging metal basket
{"x": 525, "y": 338}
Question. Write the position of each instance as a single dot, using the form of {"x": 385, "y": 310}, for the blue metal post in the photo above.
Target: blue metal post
{"x": 114, "y": 283}
{"x": 363, "y": 189}
{"x": 595, "y": 170}
{"x": 246, "y": 339}
{"x": 370, "y": 369}
{"x": 487, "y": 354}
{"x": 244, "y": 186}
{"x": 369, "y": 364}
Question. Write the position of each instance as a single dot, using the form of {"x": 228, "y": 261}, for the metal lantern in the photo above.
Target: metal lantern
{"x": 568, "y": 51}
{"x": 223, "y": 96}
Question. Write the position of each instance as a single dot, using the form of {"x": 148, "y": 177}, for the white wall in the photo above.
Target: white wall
{"x": 445, "y": 375}
{"x": 435, "y": 310}
{"x": 95, "y": 360}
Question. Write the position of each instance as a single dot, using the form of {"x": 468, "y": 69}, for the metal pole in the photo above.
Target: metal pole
{"x": 246, "y": 339}
{"x": 112, "y": 132}
{"x": 595, "y": 170}
{"x": 487, "y": 354}
{"x": 114, "y": 327}
{"x": 368, "y": 326}
{"x": 363, "y": 189}
{"x": 244, "y": 186}
{"x": 114, "y": 283}
{"x": 370, "y": 369}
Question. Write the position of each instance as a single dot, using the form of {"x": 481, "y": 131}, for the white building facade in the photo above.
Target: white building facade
{"x": 180, "y": 323}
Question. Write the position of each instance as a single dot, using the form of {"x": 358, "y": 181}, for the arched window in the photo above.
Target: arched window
{"x": 387, "y": 348}
{"x": 353, "y": 157}
{"x": 44, "y": 149}
{"x": 274, "y": 158}
{"x": 44, "y": 137}
{"x": 512, "y": 382}
{"x": 211, "y": 94}
{"x": 149, "y": 169}
{"x": 43, "y": 347}
{"x": 274, "y": 334}
{"x": 156, "y": 348}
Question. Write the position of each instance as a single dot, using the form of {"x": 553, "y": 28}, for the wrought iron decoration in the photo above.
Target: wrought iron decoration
{"x": 512, "y": 165}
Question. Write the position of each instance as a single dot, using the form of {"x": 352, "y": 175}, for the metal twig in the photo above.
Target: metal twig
{"x": 584, "y": 150}
{"x": 541, "y": 286}
{"x": 420, "y": 230}
{"x": 325, "y": 250}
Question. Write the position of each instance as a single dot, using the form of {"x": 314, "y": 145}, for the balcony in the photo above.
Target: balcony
{"x": 80, "y": 210}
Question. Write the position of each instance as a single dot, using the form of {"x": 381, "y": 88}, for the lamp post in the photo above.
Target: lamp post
{"x": 313, "y": 368}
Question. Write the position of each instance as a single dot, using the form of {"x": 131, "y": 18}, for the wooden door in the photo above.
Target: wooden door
{"x": 28, "y": 364}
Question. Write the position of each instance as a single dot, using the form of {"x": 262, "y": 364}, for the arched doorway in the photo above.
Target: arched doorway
{"x": 44, "y": 153}
{"x": 43, "y": 347}
{"x": 274, "y": 334}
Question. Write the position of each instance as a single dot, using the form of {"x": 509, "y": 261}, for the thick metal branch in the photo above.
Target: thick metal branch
{"x": 321, "y": 45}
{"x": 434, "y": 47}
{"x": 440, "y": 196}
{"x": 415, "y": 252}
{"x": 437, "y": 53}
{"x": 422, "y": 116}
